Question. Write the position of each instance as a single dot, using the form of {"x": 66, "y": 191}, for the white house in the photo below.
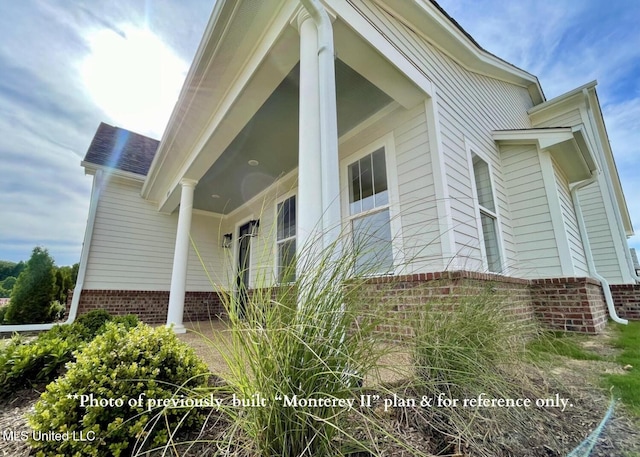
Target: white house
{"x": 300, "y": 116}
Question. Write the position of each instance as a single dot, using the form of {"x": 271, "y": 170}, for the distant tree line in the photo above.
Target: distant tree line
{"x": 37, "y": 289}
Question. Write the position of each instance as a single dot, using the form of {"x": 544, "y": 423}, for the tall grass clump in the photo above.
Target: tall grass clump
{"x": 468, "y": 346}
{"x": 301, "y": 349}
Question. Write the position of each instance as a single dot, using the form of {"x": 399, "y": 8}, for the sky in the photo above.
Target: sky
{"x": 67, "y": 65}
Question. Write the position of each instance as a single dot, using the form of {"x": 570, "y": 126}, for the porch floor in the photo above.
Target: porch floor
{"x": 209, "y": 338}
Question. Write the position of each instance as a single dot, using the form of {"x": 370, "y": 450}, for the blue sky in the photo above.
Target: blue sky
{"x": 67, "y": 65}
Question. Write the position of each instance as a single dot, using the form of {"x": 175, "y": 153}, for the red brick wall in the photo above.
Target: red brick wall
{"x": 569, "y": 304}
{"x": 151, "y": 306}
{"x": 403, "y": 296}
{"x": 627, "y": 300}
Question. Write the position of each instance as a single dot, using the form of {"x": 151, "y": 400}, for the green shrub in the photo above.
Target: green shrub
{"x": 94, "y": 319}
{"x": 120, "y": 364}
{"x": 41, "y": 360}
{"x": 3, "y": 311}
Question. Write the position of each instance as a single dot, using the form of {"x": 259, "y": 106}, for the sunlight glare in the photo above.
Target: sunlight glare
{"x": 135, "y": 79}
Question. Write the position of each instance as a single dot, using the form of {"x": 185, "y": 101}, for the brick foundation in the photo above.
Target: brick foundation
{"x": 627, "y": 300}
{"x": 569, "y": 304}
{"x": 150, "y": 306}
{"x": 404, "y": 296}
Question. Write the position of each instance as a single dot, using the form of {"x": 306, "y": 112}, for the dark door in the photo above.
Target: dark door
{"x": 242, "y": 281}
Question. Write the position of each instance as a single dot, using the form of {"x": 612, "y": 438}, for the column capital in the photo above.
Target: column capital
{"x": 299, "y": 17}
{"x": 185, "y": 182}
{"x": 302, "y": 15}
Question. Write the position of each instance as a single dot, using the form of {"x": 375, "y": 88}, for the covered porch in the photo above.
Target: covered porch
{"x": 251, "y": 129}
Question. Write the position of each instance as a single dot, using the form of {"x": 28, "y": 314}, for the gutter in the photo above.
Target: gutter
{"x": 606, "y": 288}
{"x": 84, "y": 256}
{"x": 328, "y": 122}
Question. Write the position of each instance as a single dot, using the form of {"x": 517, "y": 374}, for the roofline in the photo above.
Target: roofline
{"x": 469, "y": 53}
{"x": 91, "y": 168}
{"x": 561, "y": 98}
{"x": 183, "y": 97}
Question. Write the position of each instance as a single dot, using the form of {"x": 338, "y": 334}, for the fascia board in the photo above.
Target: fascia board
{"x": 557, "y": 105}
{"x": 440, "y": 31}
{"x": 187, "y": 92}
{"x": 92, "y": 168}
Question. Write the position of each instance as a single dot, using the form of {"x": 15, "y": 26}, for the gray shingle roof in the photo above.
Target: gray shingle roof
{"x": 119, "y": 148}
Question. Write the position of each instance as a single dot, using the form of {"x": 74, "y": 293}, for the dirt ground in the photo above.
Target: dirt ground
{"x": 554, "y": 433}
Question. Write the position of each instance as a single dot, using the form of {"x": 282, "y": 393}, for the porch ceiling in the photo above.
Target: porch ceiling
{"x": 271, "y": 138}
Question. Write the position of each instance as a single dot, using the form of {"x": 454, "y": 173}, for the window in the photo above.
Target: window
{"x": 369, "y": 213}
{"x": 286, "y": 240}
{"x": 488, "y": 215}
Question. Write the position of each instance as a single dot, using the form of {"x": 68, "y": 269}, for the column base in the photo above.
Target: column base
{"x": 177, "y": 328}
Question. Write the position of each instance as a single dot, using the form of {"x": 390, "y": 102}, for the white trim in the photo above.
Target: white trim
{"x": 367, "y": 31}
{"x": 441, "y": 186}
{"x": 555, "y": 211}
{"x": 92, "y": 168}
{"x": 395, "y": 222}
{"x": 263, "y": 194}
{"x": 355, "y": 131}
{"x": 233, "y": 96}
{"x": 471, "y": 150}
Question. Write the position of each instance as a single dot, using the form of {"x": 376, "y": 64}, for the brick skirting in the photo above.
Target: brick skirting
{"x": 568, "y": 304}
{"x": 627, "y": 300}
{"x": 150, "y": 306}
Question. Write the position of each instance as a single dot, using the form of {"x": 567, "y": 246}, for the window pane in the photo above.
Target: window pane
{"x": 286, "y": 261}
{"x": 380, "y": 177}
{"x": 355, "y": 195}
{"x": 287, "y": 218}
{"x": 483, "y": 183}
{"x": 368, "y": 186}
{"x": 372, "y": 241}
{"x": 491, "y": 242}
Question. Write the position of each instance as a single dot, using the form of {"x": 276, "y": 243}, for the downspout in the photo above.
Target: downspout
{"x": 606, "y": 288}
{"x": 328, "y": 123}
{"x": 623, "y": 235}
{"x": 77, "y": 291}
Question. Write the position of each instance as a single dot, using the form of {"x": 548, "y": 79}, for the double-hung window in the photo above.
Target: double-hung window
{"x": 286, "y": 240}
{"x": 488, "y": 214}
{"x": 369, "y": 215}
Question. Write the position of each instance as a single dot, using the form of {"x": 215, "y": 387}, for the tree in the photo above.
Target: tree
{"x": 33, "y": 291}
{"x": 6, "y": 286}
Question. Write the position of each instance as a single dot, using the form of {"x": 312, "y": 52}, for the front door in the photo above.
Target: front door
{"x": 242, "y": 280}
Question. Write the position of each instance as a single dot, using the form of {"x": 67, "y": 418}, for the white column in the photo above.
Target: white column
{"x": 309, "y": 204}
{"x": 180, "y": 257}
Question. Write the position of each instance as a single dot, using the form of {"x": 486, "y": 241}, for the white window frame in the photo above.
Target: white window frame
{"x": 393, "y": 205}
{"x": 479, "y": 209}
{"x": 276, "y": 265}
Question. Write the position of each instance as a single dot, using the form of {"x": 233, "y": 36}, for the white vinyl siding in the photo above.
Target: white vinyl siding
{"x": 571, "y": 223}
{"x": 469, "y": 105}
{"x": 532, "y": 226}
{"x": 133, "y": 245}
{"x": 599, "y": 230}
